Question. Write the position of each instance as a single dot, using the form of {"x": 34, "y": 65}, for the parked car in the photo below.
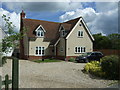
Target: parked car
{"x": 89, "y": 56}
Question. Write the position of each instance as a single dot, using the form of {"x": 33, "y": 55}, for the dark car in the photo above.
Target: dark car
{"x": 89, "y": 56}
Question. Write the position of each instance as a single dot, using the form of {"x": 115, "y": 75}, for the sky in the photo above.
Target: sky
{"x": 101, "y": 17}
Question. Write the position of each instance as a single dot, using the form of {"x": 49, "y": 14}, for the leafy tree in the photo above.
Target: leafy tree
{"x": 101, "y": 42}
{"x": 11, "y": 40}
{"x": 111, "y": 41}
{"x": 115, "y": 40}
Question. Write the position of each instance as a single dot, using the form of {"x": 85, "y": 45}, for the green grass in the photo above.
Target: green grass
{"x": 46, "y": 61}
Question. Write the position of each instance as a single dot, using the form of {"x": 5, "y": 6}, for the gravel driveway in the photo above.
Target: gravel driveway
{"x": 54, "y": 75}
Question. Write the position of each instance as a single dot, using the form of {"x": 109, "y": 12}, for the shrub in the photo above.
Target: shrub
{"x": 94, "y": 68}
{"x": 72, "y": 59}
{"x": 110, "y": 65}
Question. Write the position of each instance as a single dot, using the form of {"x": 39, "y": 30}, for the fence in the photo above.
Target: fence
{"x": 15, "y": 76}
{"x": 109, "y": 51}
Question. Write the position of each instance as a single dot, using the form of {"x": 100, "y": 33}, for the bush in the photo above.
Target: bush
{"x": 72, "y": 59}
{"x": 110, "y": 65}
{"x": 94, "y": 68}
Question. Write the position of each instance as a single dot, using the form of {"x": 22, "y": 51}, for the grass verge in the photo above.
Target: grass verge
{"x": 46, "y": 60}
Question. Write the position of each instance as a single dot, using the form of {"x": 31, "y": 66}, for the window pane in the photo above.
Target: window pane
{"x": 75, "y": 49}
{"x": 42, "y": 50}
{"x": 38, "y": 33}
{"x": 36, "y": 50}
{"x": 79, "y": 49}
{"x": 42, "y": 33}
{"x": 39, "y": 50}
{"x": 79, "y": 33}
{"x": 84, "y": 50}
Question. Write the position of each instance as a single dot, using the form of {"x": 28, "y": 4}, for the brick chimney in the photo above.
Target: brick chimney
{"x": 22, "y": 14}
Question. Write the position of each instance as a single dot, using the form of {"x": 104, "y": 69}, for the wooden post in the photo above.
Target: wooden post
{"x": 15, "y": 73}
{"x": 6, "y": 82}
{"x": 0, "y": 83}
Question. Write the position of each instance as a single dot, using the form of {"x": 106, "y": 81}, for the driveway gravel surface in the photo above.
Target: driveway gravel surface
{"x": 54, "y": 75}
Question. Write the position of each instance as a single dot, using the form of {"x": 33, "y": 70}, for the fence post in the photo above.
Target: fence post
{"x": 6, "y": 82}
{"x": 15, "y": 73}
{"x": 0, "y": 83}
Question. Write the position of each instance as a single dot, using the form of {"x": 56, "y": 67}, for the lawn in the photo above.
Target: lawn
{"x": 47, "y": 60}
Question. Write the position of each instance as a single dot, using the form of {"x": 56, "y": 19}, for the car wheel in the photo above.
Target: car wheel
{"x": 86, "y": 61}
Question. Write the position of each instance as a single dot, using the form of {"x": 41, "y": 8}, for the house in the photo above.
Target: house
{"x": 45, "y": 39}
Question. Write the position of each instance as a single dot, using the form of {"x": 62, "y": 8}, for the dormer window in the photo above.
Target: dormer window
{"x": 63, "y": 33}
{"x": 40, "y": 31}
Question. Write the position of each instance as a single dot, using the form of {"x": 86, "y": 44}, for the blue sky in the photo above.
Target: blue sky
{"x": 101, "y": 17}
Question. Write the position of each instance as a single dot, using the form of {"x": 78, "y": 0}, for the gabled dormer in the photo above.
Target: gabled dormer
{"x": 62, "y": 31}
{"x": 40, "y": 31}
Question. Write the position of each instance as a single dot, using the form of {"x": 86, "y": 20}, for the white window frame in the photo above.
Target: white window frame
{"x": 41, "y": 31}
{"x": 40, "y": 51}
{"x": 81, "y": 33}
{"x": 80, "y": 49}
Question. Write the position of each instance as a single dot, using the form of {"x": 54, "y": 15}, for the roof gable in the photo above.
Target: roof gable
{"x": 40, "y": 27}
{"x": 88, "y": 31}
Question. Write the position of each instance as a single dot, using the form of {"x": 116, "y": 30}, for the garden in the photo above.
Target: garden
{"x": 107, "y": 68}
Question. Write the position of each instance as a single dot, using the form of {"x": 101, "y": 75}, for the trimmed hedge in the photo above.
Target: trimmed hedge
{"x": 107, "y": 68}
{"x": 110, "y": 65}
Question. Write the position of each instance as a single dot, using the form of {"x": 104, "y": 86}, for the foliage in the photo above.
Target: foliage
{"x": 47, "y": 60}
{"x": 11, "y": 40}
{"x": 101, "y": 42}
{"x": 111, "y": 41}
{"x": 107, "y": 68}
{"x": 110, "y": 65}
{"x": 115, "y": 40}
{"x": 94, "y": 68}
{"x": 72, "y": 59}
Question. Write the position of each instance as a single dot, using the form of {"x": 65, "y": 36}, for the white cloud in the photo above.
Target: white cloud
{"x": 105, "y": 22}
{"x": 14, "y": 18}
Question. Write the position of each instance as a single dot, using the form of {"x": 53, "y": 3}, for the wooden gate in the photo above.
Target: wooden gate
{"x": 15, "y": 76}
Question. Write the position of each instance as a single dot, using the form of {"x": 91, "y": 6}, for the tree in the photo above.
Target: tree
{"x": 10, "y": 41}
{"x": 115, "y": 40}
{"x": 101, "y": 42}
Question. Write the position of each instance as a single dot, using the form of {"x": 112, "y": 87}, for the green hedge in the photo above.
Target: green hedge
{"x": 110, "y": 65}
{"x": 107, "y": 68}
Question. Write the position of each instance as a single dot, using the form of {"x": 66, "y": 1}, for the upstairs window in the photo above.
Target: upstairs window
{"x": 80, "y": 33}
{"x": 40, "y": 33}
{"x": 63, "y": 33}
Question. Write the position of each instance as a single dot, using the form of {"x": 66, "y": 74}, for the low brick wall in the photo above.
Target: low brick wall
{"x": 109, "y": 51}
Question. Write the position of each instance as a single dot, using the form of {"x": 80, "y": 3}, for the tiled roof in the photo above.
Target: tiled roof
{"x": 52, "y": 28}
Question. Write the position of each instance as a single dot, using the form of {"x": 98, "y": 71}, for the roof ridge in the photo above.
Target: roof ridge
{"x": 41, "y": 20}
{"x": 73, "y": 19}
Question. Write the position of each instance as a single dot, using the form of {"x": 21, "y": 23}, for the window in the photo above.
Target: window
{"x": 80, "y": 33}
{"x": 80, "y": 49}
{"x": 63, "y": 33}
{"x": 40, "y": 33}
{"x": 40, "y": 51}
